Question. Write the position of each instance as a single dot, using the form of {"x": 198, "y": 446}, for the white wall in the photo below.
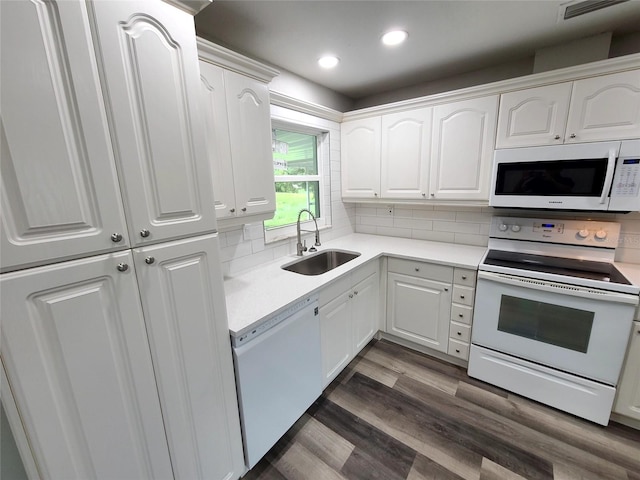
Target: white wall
{"x": 470, "y": 225}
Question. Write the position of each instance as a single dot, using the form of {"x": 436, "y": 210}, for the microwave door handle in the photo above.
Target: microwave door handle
{"x": 608, "y": 178}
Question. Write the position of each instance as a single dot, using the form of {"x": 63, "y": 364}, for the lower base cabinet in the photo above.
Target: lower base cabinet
{"x": 120, "y": 365}
{"x": 627, "y": 401}
{"x": 419, "y": 302}
{"x": 349, "y": 318}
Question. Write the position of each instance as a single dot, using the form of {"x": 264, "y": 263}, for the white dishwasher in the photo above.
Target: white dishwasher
{"x": 278, "y": 375}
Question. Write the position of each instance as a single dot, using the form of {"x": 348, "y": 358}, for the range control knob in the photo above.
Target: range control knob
{"x": 584, "y": 233}
{"x": 601, "y": 234}
{"x": 503, "y": 227}
{"x": 515, "y": 228}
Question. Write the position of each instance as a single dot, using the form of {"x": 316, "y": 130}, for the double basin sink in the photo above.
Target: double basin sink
{"x": 320, "y": 262}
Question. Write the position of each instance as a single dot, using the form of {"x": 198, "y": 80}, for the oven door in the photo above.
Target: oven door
{"x": 574, "y": 329}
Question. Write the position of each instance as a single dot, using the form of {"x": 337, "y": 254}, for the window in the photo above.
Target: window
{"x": 297, "y": 172}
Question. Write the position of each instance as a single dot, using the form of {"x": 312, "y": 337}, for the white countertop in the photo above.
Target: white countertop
{"x": 263, "y": 291}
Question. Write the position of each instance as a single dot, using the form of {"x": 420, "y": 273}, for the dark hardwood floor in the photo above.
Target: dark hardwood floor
{"x": 398, "y": 414}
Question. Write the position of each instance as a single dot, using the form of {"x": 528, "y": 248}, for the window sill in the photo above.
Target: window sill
{"x": 289, "y": 236}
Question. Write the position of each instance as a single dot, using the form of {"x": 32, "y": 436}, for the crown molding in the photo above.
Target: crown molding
{"x": 602, "y": 67}
{"x": 302, "y": 106}
{"x": 230, "y": 60}
{"x": 190, "y": 6}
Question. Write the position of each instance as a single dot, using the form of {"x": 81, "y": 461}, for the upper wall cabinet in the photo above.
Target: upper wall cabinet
{"x": 462, "y": 149}
{"x": 238, "y": 130}
{"x": 360, "y": 156}
{"x": 594, "y": 109}
{"x": 388, "y": 156}
{"x": 406, "y": 142}
{"x": 149, "y": 63}
{"x": 60, "y": 196}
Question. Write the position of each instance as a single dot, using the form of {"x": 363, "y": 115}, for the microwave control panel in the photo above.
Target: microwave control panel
{"x": 626, "y": 182}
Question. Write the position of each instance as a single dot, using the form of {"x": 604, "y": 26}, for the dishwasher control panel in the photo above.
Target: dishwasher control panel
{"x": 272, "y": 321}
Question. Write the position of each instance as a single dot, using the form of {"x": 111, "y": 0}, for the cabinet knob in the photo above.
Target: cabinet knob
{"x": 446, "y": 289}
{"x": 464, "y": 277}
{"x": 122, "y": 267}
{"x": 433, "y": 194}
{"x": 424, "y": 194}
{"x": 116, "y": 237}
{"x": 459, "y": 333}
{"x": 375, "y": 194}
{"x": 232, "y": 210}
{"x": 557, "y": 137}
{"x": 462, "y": 296}
{"x": 355, "y": 292}
{"x": 351, "y": 295}
{"x": 457, "y": 350}
{"x": 144, "y": 233}
{"x": 244, "y": 209}
{"x": 573, "y": 135}
{"x": 149, "y": 260}
{"x": 461, "y": 315}
{"x": 417, "y": 269}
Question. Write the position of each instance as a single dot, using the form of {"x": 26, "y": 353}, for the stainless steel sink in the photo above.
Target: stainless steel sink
{"x": 321, "y": 262}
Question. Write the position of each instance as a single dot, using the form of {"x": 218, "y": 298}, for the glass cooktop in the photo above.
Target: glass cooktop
{"x": 570, "y": 267}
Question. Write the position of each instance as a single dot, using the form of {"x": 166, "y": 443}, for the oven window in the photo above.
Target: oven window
{"x": 583, "y": 178}
{"x": 544, "y": 322}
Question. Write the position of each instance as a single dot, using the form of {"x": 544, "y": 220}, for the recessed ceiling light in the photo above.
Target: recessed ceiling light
{"x": 394, "y": 37}
{"x": 328, "y": 61}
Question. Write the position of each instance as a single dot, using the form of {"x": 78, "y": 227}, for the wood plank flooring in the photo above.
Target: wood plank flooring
{"x": 400, "y": 415}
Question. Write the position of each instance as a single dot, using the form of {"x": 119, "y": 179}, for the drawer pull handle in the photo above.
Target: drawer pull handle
{"x": 446, "y": 289}
{"x": 459, "y": 333}
{"x": 144, "y": 233}
{"x": 462, "y": 296}
{"x": 457, "y": 350}
{"x": 417, "y": 269}
{"x": 122, "y": 267}
{"x": 464, "y": 277}
{"x": 116, "y": 237}
{"x": 461, "y": 315}
{"x": 149, "y": 260}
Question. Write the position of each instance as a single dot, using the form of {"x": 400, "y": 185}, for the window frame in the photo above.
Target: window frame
{"x": 322, "y": 155}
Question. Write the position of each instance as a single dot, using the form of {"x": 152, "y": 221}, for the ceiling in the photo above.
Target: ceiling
{"x": 446, "y": 38}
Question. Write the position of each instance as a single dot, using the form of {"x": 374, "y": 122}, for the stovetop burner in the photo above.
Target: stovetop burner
{"x": 570, "y": 267}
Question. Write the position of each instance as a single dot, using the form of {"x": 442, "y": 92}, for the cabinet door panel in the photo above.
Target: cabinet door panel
{"x": 605, "y": 108}
{"x": 214, "y": 107}
{"x": 150, "y": 67}
{"x": 535, "y": 116}
{"x": 365, "y": 311}
{"x": 462, "y": 149}
{"x": 183, "y": 303}
{"x": 60, "y": 195}
{"x": 335, "y": 336}
{"x": 360, "y": 154}
{"x": 75, "y": 350}
{"x": 628, "y": 398}
{"x": 405, "y": 153}
{"x": 250, "y": 134}
{"x": 419, "y": 310}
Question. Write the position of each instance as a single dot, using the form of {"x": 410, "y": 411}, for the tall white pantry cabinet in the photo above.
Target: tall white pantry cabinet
{"x": 114, "y": 342}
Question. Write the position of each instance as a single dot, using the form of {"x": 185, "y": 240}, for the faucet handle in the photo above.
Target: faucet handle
{"x": 304, "y": 245}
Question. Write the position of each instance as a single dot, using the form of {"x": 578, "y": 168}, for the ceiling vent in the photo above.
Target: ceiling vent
{"x": 575, "y": 9}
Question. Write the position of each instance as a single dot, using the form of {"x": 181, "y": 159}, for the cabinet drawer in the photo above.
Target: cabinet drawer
{"x": 458, "y": 349}
{"x": 465, "y": 277}
{"x": 415, "y": 268}
{"x": 460, "y": 332}
{"x": 463, "y": 295}
{"x": 461, "y": 314}
{"x": 334, "y": 289}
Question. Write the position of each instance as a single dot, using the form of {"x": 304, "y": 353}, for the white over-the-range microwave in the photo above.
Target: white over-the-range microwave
{"x": 600, "y": 176}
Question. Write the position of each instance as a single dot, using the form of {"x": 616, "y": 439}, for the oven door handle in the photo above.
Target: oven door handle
{"x": 560, "y": 288}
{"x": 608, "y": 178}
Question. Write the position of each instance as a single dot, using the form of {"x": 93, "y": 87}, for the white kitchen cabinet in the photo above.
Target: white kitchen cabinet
{"x": 149, "y": 64}
{"x": 535, "y": 116}
{"x": 60, "y": 196}
{"x": 238, "y": 130}
{"x": 419, "y": 302}
{"x": 349, "y": 318}
{"x": 605, "y": 108}
{"x": 214, "y": 108}
{"x": 360, "y": 157}
{"x": 601, "y": 108}
{"x": 627, "y": 401}
{"x": 75, "y": 350}
{"x": 184, "y": 308}
{"x": 462, "y": 300}
{"x": 405, "y": 150}
{"x": 462, "y": 149}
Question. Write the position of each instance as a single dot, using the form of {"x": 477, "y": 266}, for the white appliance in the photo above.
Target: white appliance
{"x": 553, "y": 315}
{"x": 585, "y": 176}
{"x": 278, "y": 375}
